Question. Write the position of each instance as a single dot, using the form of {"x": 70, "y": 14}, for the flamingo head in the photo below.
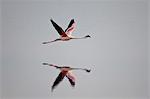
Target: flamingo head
{"x": 88, "y": 70}
{"x": 87, "y": 36}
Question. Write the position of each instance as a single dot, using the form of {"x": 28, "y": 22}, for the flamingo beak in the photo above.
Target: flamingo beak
{"x": 88, "y": 70}
{"x": 88, "y": 36}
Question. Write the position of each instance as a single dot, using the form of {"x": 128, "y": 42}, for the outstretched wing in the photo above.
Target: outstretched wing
{"x": 70, "y": 28}
{"x": 71, "y": 78}
{"x": 59, "y": 79}
{"x": 59, "y": 29}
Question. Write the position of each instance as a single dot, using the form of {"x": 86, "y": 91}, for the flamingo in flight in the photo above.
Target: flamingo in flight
{"x": 65, "y": 35}
{"x": 65, "y": 72}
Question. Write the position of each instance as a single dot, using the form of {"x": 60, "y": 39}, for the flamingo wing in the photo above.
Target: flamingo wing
{"x": 71, "y": 78}
{"x": 59, "y": 79}
{"x": 58, "y": 28}
{"x": 70, "y": 27}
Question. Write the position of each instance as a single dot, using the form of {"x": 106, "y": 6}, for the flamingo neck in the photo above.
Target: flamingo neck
{"x": 78, "y": 37}
{"x": 77, "y": 69}
{"x": 87, "y": 36}
{"x": 87, "y": 70}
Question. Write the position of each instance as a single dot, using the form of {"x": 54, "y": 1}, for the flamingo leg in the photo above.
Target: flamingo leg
{"x": 52, "y": 65}
{"x": 51, "y": 41}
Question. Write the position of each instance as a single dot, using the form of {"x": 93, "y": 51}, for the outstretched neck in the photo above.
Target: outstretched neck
{"x": 87, "y": 70}
{"x": 87, "y": 36}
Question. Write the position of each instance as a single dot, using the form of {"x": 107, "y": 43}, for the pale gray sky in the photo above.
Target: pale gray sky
{"x": 116, "y": 53}
{"x": 149, "y": 46}
{"x": 0, "y": 51}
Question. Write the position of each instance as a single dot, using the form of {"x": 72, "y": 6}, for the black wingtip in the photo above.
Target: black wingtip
{"x": 72, "y": 20}
{"x": 73, "y": 86}
{"x": 51, "y": 19}
{"x": 52, "y": 88}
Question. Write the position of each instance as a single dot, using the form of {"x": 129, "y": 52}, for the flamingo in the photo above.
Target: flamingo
{"x": 65, "y": 72}
{"x": 65, "y": 35}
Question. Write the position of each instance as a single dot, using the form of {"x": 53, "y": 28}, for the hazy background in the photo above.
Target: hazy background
{"x": 0, "y": 50}
{"x": 149, "y": 47}
{"x": 117, "y": 53}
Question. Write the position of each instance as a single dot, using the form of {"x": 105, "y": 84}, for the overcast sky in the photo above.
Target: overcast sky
{"x": 0, "y": 50}
{"x": 116, "y": 53}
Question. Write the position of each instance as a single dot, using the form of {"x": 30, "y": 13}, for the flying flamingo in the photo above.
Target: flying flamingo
{"x": 65, "y": 35}
{"x": 65, "y": 72}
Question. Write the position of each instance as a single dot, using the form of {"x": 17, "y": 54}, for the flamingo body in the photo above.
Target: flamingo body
{"x": 65, "y": 38}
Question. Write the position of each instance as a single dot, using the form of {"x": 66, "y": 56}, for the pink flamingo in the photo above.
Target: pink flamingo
{"x": 65, "y": 35}
{"x": 65, "y": 72}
